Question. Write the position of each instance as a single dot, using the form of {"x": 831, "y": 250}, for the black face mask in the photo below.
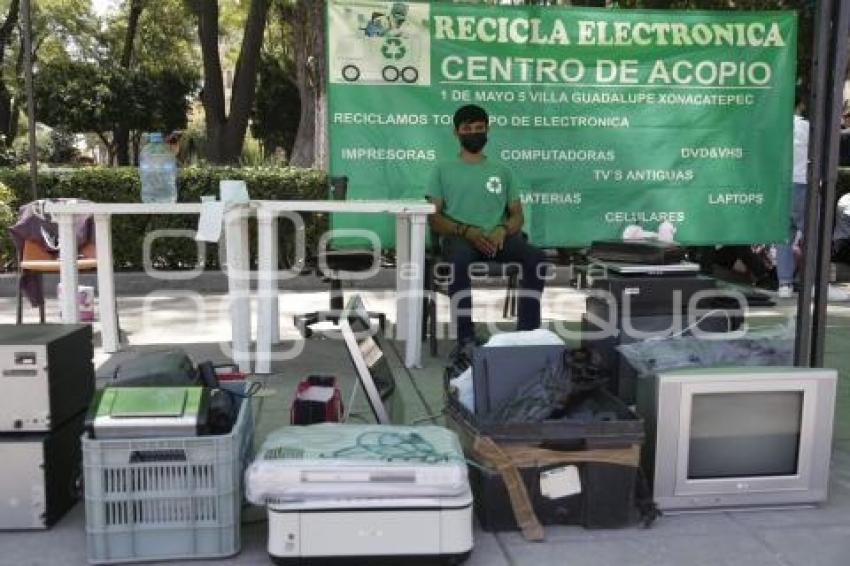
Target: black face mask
{"x": 473, "y": 143}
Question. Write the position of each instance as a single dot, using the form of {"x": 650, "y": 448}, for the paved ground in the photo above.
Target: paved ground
{"x": 813, "y": 537}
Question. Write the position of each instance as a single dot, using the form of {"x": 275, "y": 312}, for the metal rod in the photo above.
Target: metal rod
{"x": 833, "y": 111}
{"x": 26, "y": 21}
{"x": 816, "y": 106}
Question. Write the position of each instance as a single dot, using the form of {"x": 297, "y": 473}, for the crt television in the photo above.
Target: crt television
{"x": 738, "y": 437}
{"x": 367, "y": 355}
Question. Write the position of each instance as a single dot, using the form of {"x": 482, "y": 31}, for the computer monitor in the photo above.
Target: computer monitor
{"x": 370, "y": 363}
{"x": 738, "y": 437}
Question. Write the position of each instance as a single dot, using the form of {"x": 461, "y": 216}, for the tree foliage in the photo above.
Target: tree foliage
{"x": 90, "y": 97}
{"x": 277, "y": 109}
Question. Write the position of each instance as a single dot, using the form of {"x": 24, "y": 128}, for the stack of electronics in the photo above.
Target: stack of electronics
{"x": 380, "y": 493}
{"x": 645, "y": 290}
{"x": 384, "y": 493}
{"x": 161, "y": 394}
{"x": 164, "y": 456}
{"x": 572, "y": 448}
{"x": 48, "y": 381}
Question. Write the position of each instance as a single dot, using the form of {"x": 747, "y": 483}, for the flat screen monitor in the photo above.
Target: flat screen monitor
{"x": 733, "y": 437}
{"x": 367, "y": 355}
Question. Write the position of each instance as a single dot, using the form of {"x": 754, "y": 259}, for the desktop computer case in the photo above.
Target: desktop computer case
{"x": 47, "y": 375}
{"x": 40, "y": 474}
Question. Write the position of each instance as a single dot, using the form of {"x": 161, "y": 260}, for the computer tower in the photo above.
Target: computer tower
{"x": 47, "y": 375}
{"x": 39, "y": 475}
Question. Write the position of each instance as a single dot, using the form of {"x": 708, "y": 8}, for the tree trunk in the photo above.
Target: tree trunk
{"x": 310, "y": 145}
{"x": 226, "y": 132}
{"x": 8, "y": 117}
{"x": 121, "y": 134}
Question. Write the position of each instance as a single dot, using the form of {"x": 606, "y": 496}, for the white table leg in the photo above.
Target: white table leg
{"x": 402, "y": 259}
{"x": 275, "y": 302}
{"x": 413, "y": 346}
{"x": 68, "y": 268}
{"x": 267, "y": 303}
{"x": 239, "y": 285}
{"x": 106, "y": 283}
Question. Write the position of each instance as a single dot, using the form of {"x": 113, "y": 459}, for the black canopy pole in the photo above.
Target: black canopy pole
{"x": 26, "y": 21}
{"x": 828, "y": 71}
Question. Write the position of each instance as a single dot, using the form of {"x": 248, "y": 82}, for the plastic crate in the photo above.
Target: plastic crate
{"x": 167, "y": 499}
{"x": 606, "y": 501}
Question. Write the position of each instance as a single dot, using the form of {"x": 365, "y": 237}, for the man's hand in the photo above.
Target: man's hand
{"x": 497, "y": 237}
{"x": 479, "y": 241}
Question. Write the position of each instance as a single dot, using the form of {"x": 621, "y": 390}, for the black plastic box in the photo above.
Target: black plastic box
{"x": 607, "y": 499}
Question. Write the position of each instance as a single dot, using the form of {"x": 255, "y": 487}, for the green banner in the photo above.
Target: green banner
{"x": 608, "y": 118}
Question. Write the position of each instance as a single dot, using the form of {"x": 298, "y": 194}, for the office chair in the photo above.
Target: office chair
{"x": 339, "y": 262}
{"x": 436, "y": 282}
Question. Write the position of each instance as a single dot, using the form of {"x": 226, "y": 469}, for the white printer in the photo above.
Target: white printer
{"x": 367, "y": 531}
{"x": 366, "y": 493}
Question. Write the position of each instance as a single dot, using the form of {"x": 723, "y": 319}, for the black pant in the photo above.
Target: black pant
{"x": 459, "y": 254}
{"x": 841, "y": 250}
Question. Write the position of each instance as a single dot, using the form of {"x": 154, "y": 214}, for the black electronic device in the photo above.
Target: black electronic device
{"x": 637, "y": 251}
{"x": 207, "y": 375}
{"x": 653, "y": 294}
{"x": 160, "y": 368}
{"x": 46, "y": 373}
{"x": 603, "y": 330}
{"x": 39, "y": 475}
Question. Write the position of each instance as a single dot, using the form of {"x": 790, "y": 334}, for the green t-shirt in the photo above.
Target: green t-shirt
{"x": 473, "y": 193}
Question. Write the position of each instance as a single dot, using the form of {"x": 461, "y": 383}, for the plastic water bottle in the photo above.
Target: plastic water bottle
{"x": 158, "y": 171}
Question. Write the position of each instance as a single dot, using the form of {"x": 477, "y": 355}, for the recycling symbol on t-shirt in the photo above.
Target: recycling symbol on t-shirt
{"x": 494, "y": 185}
{"x": 393, "y": 48}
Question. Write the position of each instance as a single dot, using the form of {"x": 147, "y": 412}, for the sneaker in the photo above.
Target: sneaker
{"x": 785, "y": 292}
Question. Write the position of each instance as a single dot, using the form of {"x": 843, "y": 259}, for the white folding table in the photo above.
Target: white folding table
{"x": 411, "y": 222}
{"x": 238, "y": 272}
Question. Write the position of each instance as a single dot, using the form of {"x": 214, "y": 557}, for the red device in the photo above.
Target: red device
{"x": 317, "y": 400}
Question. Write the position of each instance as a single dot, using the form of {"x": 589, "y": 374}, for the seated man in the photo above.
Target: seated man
{"x": 479, "y": 217}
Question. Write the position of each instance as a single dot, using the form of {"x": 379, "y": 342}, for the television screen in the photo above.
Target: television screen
{"x": 745, "y": 434}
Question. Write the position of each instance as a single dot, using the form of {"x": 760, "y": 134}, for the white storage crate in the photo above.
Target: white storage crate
{"x": 167, "y": 499}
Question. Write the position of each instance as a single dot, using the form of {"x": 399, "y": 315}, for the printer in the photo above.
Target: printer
{"x": 363, "y": 492}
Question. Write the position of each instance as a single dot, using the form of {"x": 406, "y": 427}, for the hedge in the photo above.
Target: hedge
{"x": 122, "y": 185}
